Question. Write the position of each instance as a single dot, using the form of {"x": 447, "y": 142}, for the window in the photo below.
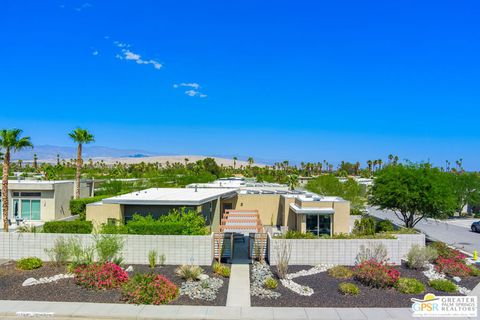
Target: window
{"x": 30, "y": 209}
{"x": 319, "y": 224}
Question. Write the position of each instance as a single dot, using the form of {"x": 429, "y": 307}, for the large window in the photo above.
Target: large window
{"x": 319, "y": 224}
{"x": 26, "y": 209}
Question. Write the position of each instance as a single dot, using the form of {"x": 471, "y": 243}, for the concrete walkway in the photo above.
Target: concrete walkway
{"x": 239, "y": 284}
{"x": 73, "y": 310}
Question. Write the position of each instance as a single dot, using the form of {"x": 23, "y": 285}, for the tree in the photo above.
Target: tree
{"x": 466, "y": 188}
{"x": 250, "y": 161}
{"x": 81, "y": 137}
{"x": 11, "y": 141}
{"x": 413, "y": 192}
{"x": 292, "y": 181}
{"x": 234, "y": 162}
{"x": 35, "y": 159}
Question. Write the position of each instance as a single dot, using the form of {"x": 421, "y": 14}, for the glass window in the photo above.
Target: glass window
{"x": 30, "y": 194}
{"x": 35, "y": 205}
{"x": 312, "y": 224}
{"x": 319, "y": 224}
{"x": 26, "y": 212}
{"x": 30, "y": 209}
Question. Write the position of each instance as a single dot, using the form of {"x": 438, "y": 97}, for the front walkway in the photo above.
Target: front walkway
{"x": 74, "y": 310}
{"x": 239, "y": 284}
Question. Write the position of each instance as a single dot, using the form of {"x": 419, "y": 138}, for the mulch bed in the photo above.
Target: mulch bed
{"x": 66, "y": 290}
{"x": 327, "y": 295}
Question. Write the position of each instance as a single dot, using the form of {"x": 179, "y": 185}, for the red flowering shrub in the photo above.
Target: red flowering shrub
{"x": 149, "y": 289}
{"x": 452, "y": 267}
{"x": 376, "y": 274}
{"x": 447, "y": 252}
{"x": 100, "y": 276}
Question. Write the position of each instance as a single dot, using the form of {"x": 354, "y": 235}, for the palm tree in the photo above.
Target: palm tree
{"x": 250, "y": 161}
{"x": 186, "y": 161}
{"x": 81, "y": 137}
{"x": 292, "y": 181}
{"x": 234, "y": 162}
{"x": 370, "y": 164}
{"x": 35, "y": 158}
{"x": 58, "y": 159}
{"x": 11, "y": 141}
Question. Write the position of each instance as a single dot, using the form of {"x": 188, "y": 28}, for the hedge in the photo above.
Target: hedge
{"x": 74, "y": 226}
{"x": 79, "y": 206}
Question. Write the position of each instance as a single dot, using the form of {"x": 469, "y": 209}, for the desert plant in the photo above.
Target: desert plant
{"x": 79, "y": 254}
{"x": 376, "y": 252}
{"x": 375, "y": 274}
{"x": 161, "y": 259}
{"x": 283, "y": 259}
{"x": 152, "y": 259}
{"x": 189, "y": 272}
{"x": 29, "y": 263}
{"x": 149, "y": 289}
{"x": 474, "y": 271}
{"x": 270, "y": 283}
{"x": 100, "y": 276}
{"x": 452, "y": 267}
{"x": 221, "y": 269}
{"x": 419, "y": 256}
{"x": 347, "y": 288}
{"x": 108, "y": 246}
{"x": 60, "y": 253}
{"x": 443, "y": 285}
{"x": 410, "y": 286}
{"x": 340, "y": 272}
{"x": 28, "y": 229}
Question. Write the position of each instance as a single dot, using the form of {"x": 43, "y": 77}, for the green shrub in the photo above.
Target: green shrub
{"x": 270, "y": 283}
{"x": 365, "y": 226}
{"x": 189, "y": 272}
{"x": 60, "y": 253}
{"x": 79, "y": 206}
{"x": 443, "y": 285}
{"x": 410, "y": 286}
{"x": 419, "y": 256}
{"x": 79, "y": 254}
{"x": 384, "y": 226}
{"x": 29, "y": 263}
{"x": 74, "y": 226}
{"x": 446, "y": 252}
{"x": 474, "y": 271}
{"x": 221, "y": 269}
{"x": 340, "y": 272}
{"x": 113, "y": 229}
{"x": 292, "y": 234}
{"x": 348, "y": 289}
{"x": 149, "y": 289}
{"x": 161, "y": 259}
{"x": 108, "y": 247}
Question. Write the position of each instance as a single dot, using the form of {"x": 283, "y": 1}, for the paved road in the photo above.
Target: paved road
{"x": 457, "y": 236}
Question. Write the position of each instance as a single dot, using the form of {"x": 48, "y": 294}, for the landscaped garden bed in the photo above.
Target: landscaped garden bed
{"x": 372, "y": 282}
{"x": 11, "y": 280}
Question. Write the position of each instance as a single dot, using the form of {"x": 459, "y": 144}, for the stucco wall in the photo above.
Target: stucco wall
{"x": 63, "y": 194}
{"x": 100, "y": 213}
{"x": 177, "y": 249}
{"x": 340, "y": 251}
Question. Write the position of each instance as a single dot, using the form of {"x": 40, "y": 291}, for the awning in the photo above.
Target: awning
{"x": 311, "y": 210}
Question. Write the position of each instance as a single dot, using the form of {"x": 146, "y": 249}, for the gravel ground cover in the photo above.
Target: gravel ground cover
{"x": 11, "y": 287}
{"x": 326, "y": 292}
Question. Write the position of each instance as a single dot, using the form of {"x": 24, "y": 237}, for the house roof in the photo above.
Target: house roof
{"x": 171, "y": 196}
{"x": 311, "y": 210}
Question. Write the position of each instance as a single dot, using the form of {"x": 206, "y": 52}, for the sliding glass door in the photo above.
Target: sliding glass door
{"x": 30, "y": 209}
{"x": 319, "y": 224}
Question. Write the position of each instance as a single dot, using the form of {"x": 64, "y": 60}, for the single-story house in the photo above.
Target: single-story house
{"x": 297, "y": 210}
{"x": 41, "y": 201}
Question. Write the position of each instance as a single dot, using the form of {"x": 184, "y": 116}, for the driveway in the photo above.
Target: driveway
{"x": 453, "y": 232}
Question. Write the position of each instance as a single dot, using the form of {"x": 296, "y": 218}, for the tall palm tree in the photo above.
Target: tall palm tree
{"x": 250, "y": 161}
{"x": 234, "y": 162}
{"x": 186, "y": 161}
{"x": 81, "y": 137}
{"x": 11, "y": 141}
{"x": 292, "y": 181}
{"x": 35, "y": 159}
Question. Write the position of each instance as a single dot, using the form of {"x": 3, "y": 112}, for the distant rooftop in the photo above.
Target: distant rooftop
{"x": 171, "y": 196}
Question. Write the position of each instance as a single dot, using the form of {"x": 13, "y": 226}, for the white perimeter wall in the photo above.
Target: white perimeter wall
{"x": 177, "y": 249}
{"x": 341, "y": 251}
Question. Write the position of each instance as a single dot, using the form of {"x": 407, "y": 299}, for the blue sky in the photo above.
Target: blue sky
{"x": 296, "y": 80}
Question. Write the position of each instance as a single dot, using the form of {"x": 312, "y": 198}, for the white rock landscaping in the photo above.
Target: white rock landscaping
{"x": 206, "y": 289}
{"x": 299, "y": 289}
{"x": 433, "y": 274}
{"x": 260, "y": 272}
{"x": 55, "y": 278}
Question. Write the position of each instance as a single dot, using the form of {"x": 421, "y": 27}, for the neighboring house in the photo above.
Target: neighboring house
{"x": 297, "y": 210}
{"x": 40, "y": 201}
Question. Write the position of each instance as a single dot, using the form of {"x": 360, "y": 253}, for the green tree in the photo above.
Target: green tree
{"x": 292, "y": 181}
{"x": 466, "y": 188}
{"x": 413, "y": 192}
{"x": 11, "y": 141}
{"x": 81, "y": 137}
{"x": 234, "y": 162}
{"x": 250, "y": 161}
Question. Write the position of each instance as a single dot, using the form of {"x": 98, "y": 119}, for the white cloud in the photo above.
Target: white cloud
{"x": 127, "y": 54}
{"x": 193, "y": 85}
{"x": 95, "y": 53}
{"x": 194, "y": 93}
{"x": 83, "y": 6}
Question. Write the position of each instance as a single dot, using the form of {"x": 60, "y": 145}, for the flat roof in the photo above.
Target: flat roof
{"x": 311, "y": 210}
{"x": 171, "y": 196}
